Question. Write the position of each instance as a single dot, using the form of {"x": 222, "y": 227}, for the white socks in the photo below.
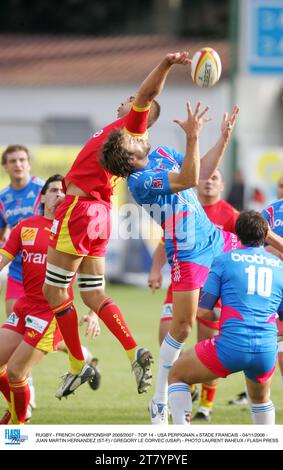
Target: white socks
{"x": 169, "y": 352}
{"x": 263, "y": 413}
{"x": 180, "y": 402}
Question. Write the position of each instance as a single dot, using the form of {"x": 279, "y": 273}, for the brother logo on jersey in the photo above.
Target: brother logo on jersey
{"x": 256, "y": 258}
{"x": 28, "y": 235}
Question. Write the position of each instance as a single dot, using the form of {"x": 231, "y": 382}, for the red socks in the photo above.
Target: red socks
{"x": 111, "y": 315}
{"x": 67, "y": 319}
{"x": 4, "y": 385}
{"x": 20, "y": 397}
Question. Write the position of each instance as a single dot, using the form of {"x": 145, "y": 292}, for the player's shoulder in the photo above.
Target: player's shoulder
{"x": 163, "y": 151}
{"x": 278, "y": 205}
{"x": 116, "y": 124}
{"x": 37, "y": 181}
{"x": 274, "y": 206}
{"x": 35, "y": 221}
{"x": 6, "y": 190}
{"x": 221, "y": 260}
{"x": 135, "y": 177}
{"x": 99, "y": 137}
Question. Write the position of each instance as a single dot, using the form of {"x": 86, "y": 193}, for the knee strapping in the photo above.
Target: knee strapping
{"x": 58, "y": 277}
{"x": 87, "y": 282}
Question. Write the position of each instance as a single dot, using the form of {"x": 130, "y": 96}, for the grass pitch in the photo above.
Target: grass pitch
{"x": 117, "y": 401}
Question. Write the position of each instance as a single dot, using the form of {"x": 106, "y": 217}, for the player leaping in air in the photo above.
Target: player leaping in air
{"x": 81, "y": 231}
{"x": 162, "y": 183}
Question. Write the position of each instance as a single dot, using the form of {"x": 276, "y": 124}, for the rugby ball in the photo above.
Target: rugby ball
{"x": 206, "y": 67}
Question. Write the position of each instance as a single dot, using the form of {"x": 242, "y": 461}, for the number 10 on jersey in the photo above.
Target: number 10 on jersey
{"x": 259, "y": 281}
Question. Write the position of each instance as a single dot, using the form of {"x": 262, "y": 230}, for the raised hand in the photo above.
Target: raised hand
{"x": 178, "y": 58}
{"x": 195, "y": 120}
{"x": 228, "y": 123}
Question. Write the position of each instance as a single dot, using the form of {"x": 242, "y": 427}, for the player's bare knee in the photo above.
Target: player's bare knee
{"x": 15, "y": 372}
{"x": 184, "y": 328}
{"x": 54, "y": 295}
{"x": 259, "y": 396}
{"x": 173, "y": 376}
{"x": 93, "y": 299}
{"x": 257, "y": 401}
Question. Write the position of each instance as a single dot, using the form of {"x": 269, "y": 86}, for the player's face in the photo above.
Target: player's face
{"x": 139, "y": 150}
{"x": 212, "y": 187}
{"x": 280, "y": 188}
{"x": 17, "y": 165}
{"x": 53, "y": 197}
{"x": 125, "y": 107}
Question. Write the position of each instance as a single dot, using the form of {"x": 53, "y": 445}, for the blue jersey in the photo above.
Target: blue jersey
{"x": 16, "y": 205}
{"x": 274, "y": 216}
{"x": 187, "y": 228}
{"x": 250, "y": 284}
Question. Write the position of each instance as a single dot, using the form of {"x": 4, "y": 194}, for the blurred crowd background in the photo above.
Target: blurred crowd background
{"x": 66, "y": 66}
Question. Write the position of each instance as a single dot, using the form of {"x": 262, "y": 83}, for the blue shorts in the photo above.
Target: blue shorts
{"x": 223, "y": 360}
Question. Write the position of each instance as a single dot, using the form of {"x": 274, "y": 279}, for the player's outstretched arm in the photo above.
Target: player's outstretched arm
{"x": 189, "y": 174}
{"x": 276, "y": 243}
{"x": 212, "y": 159}
{"x": 154, "y": 82}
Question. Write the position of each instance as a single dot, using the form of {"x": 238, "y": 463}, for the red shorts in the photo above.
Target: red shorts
{"x": 81, "y": 227}
{"x": 34, "y": 320}
{"x": 279, "y": 327}
{"x": 169, "y": 295}
{"x": 14, "y": 289}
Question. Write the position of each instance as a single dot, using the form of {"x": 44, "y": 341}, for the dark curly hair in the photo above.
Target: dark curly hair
{"x": 251, "y": 228}
{"x": 114, "y": 158}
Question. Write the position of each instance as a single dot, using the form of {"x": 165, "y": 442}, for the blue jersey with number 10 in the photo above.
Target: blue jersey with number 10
{"x": 250, "y": 284}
